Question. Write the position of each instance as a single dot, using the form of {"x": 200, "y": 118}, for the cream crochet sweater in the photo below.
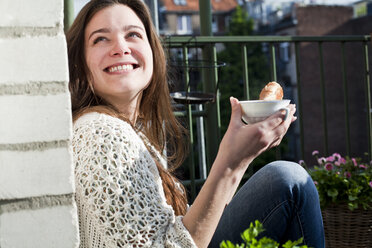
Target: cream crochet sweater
{"x": 119, "y": 192}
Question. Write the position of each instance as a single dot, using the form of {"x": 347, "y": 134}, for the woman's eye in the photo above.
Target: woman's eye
{"x": 135, "y": 35}
{"x": 98, "y": 39}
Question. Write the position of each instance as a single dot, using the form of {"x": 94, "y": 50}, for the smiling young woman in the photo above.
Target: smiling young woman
{"x": 119, "y": 56}
{"x": 123, "y": 120}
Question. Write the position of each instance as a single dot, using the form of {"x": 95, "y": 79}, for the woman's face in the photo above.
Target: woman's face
{"x": 118, "y": 55}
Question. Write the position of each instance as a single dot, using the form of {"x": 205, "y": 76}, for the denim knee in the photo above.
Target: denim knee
{"x": 278, "y": 195}
{"x": 290, "y": 172}
{"x": 293, "y": 177}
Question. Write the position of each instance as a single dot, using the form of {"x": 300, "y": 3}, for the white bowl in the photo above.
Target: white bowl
{"x": 258, "y": 110}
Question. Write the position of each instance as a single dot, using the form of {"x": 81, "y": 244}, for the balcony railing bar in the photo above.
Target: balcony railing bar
{"x": 299, "y": 99}
{"x": 323, "y": 97}
{"x": 368, "y": 98}
{"x": 213, "y": 122}
{"x": 201, "y": 144}
{"x": 274, "y": 78}
{"x": 191, "y": 158}
{"x": 198, "y": 182}
{"x": 245, "y": 72}
{"x": 346, "y": 100}
{"x": 195, "y": 113}
{"x": 179, "y": 40}
{"x": 273, "y": 64}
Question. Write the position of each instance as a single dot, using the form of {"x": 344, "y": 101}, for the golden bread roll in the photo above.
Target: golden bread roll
{"x": 271, "y": 91}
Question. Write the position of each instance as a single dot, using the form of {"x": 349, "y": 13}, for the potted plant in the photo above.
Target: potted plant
{"x": 344, "y": 185}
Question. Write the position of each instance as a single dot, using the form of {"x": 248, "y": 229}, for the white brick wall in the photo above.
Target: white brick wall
{"x": 48, "y": 227}
{"x": 27, "y": 166}
{"x": 31, "y": 13}
{"x": 40, "y": 58}
{"x": 35, "y": 118}
{"x": 36, "y": 170}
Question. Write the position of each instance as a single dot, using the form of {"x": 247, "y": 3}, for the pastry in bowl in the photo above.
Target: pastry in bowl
{"x": 270, "y": 101}
{"x": 271, "y": 91}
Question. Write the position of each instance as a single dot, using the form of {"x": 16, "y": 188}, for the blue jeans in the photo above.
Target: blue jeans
{"x": 283, "y": 197}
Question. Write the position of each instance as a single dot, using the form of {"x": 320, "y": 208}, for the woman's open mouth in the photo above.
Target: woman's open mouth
{"x": 121, "y": 68}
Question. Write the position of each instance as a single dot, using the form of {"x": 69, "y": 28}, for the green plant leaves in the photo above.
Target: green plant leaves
{"x": 249, "y": 237}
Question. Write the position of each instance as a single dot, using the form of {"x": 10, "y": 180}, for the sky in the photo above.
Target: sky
{"x": 78, "y": 4}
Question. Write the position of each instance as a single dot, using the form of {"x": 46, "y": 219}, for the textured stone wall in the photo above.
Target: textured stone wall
{"x": 36, "y": 173}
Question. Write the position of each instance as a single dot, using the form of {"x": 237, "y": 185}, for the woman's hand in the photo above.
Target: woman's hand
{"x": 242, "y": 143}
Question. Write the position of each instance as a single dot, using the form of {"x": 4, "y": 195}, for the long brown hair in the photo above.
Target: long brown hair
{"x": 155, "y": 112}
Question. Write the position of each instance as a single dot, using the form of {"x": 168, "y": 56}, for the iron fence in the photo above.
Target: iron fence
{"x": 207, "y": 115}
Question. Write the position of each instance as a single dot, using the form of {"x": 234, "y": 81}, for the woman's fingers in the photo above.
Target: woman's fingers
{"x": 284, "y": 115}
{"x": 280, "y": 130}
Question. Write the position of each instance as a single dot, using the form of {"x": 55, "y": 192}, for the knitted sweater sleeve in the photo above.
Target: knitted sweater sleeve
{"x": 119, "y": 193}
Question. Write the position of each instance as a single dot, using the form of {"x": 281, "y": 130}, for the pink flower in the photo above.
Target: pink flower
{"x": 316, "y": 183}
{"x": 347, "y": 174}
{"x": 370, "y": 184}
{"x": 330, "y": 159}
{"x": 301, "y": 162}
{"x": 328, "y": 166}
{"x": 321, "y": 160}
{"x": 354, "y": 162}
{"x": 342, "y": 160}
{"x": 315, "y": 152}
{"x": 337, "y": 156}
{"x": 337, "y": 163}
{"x": 363, "y": 166}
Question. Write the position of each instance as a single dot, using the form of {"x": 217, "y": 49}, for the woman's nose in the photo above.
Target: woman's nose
{"x": 120, "y": 48}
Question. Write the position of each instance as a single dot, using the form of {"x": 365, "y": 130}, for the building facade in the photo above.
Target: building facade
{"x": 181, "y": 17}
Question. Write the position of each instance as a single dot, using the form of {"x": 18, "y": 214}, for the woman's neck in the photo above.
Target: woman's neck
{"x": 130, "y": 109}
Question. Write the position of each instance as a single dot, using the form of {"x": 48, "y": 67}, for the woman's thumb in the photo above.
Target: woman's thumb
{"x": 236, "y": 111}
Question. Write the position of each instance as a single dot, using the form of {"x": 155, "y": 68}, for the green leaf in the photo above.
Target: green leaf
{"x": 332, "y": 192}
{"x": 268, "y": 243}
{"x": 352, "y": 198}
{"x": 290, "y": 244}
{"x": 352, "y": 206}
{"x": 228, "y": 244}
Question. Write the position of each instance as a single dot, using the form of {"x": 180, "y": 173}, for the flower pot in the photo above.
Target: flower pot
{"x": 346, "y": 228}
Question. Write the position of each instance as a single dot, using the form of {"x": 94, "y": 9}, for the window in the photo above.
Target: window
{"x": 284, "y": 51}
{"x": 214, "y": 24}
{"x": 184, "y": 24}
{"x": 179, "y": 2}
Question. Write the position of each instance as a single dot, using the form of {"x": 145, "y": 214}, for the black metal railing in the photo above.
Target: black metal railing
{"x": 321, "y": 52}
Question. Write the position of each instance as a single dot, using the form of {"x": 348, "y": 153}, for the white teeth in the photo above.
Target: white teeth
{"x": 121, "y": 68}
